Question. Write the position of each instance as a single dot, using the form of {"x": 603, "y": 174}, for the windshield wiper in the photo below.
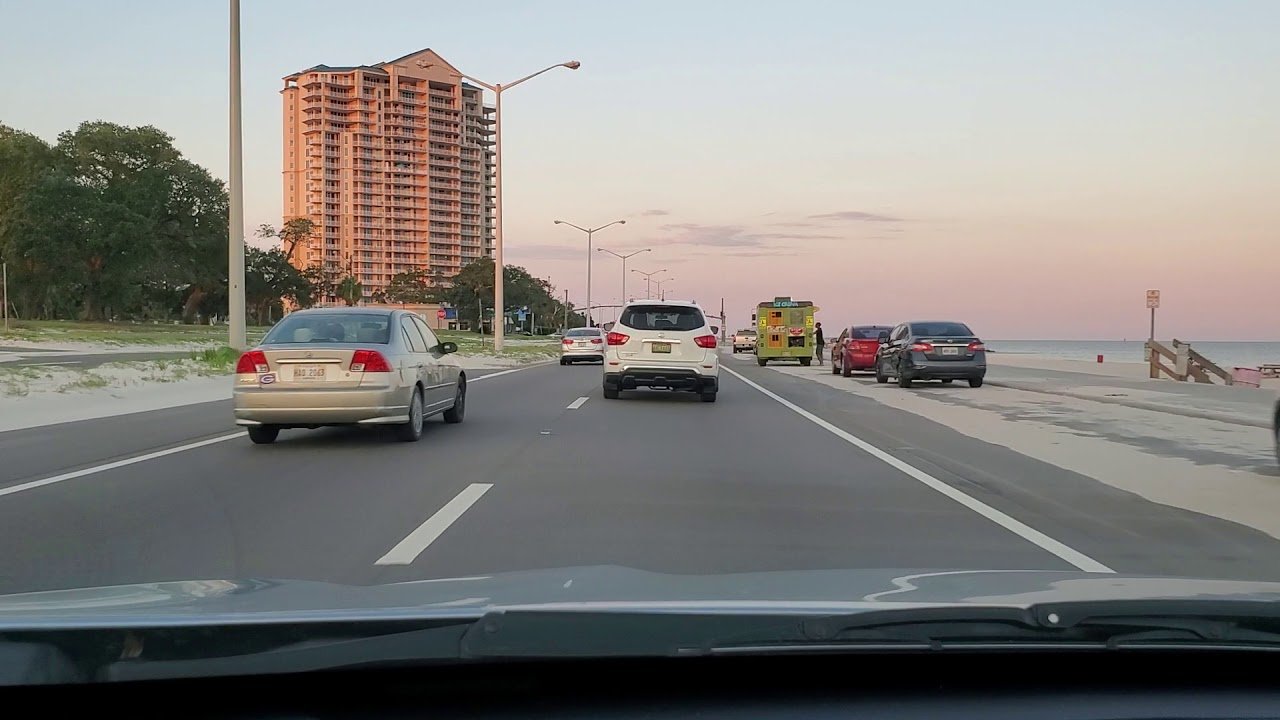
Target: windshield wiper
{"x": 1105, "y": 624}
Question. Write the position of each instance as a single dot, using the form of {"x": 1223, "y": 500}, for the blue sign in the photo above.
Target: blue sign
{"x": 451, "y": 313}
{"x": 520, "y": 316}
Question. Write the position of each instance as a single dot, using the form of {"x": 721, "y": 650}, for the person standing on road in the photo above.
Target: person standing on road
{"x": 818, "y": 341}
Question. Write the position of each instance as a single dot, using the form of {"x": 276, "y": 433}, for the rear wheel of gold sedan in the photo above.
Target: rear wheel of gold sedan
{"x": 412, "y": 430}
{"x": 456, "y": 413}
{"x": 263, "y": 434}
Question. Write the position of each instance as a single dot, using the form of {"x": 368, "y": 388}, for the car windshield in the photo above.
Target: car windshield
{"x": 941, "y": 329}
{"x": 297, "y": 324}
{"x": 662, "y": 317}
{"x": 356, "y": 328}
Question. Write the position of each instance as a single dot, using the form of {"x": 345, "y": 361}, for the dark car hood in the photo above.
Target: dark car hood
{"x": 593, "y": 588}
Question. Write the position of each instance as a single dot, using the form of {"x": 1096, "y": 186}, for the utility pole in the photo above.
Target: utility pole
{"x": 6, "y": 296}
{"x": 235, "y": 215}
{"x": 723, "y": 322}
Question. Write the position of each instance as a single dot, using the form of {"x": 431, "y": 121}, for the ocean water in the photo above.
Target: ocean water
{"x": 1226, "y": 354}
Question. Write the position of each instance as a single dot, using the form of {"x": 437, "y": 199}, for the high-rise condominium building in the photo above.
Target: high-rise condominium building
{"x": 393, "y": 163}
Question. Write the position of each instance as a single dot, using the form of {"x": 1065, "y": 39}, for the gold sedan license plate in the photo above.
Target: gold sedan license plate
{"x": 308, "y": 373}
{"x": 661, "y": 347}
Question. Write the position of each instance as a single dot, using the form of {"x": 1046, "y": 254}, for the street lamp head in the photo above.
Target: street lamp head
{"x": 572, "y": 64}
{"x": 559, "y": 222}
{"x": 622, "y": 222}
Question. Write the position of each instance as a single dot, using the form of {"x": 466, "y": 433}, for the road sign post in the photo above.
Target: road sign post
{"x": 1153, "y": 302}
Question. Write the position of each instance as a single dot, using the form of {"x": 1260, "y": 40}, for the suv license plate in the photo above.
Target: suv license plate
{"x": 308, "y": 373}
{"x": 661, "y": 347}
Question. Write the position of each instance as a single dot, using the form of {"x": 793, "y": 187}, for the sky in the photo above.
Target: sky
{"x": 1030, "y": 168}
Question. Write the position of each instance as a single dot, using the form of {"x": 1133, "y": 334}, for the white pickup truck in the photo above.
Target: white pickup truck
{"x": 744, "y": 341}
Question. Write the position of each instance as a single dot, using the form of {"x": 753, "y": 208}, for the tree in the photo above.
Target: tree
{"x": 350, "y": 290}
{"x": 412, "y": 286}
{"x": 269, "y": 280}
{"x": 473, "y": 287}
{"x": 111, "y": 221}
{"x": 295, "y": 232}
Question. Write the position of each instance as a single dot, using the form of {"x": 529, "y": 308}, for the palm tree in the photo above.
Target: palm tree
{"x": 350, "y": 290}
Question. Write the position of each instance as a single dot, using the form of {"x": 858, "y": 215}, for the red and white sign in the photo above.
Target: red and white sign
{"x": 440, "y": 313}
{"x": 1153, "y": 299}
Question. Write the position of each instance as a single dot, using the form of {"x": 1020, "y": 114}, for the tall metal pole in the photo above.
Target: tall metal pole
{"x": 6, "y": 295}
{"x": 1153, "y": 325}
{"x": 589, "y": 234}
{"x": 235, "y": 216}
{"x": 499, "y": 310}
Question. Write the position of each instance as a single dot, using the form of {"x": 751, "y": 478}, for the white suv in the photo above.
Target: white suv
{"x": 662, "y": 345}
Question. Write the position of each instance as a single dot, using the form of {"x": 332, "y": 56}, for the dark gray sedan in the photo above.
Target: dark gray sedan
{"x": 937, "y": 350}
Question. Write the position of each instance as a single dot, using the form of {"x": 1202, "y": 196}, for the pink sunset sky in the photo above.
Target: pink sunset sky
{"x": 1029, "y": 168}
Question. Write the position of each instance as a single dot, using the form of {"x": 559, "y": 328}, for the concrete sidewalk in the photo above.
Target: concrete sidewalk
{"x": 1252, "y": 407}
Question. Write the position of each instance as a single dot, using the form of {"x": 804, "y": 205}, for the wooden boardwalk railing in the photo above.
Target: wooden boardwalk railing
{"x": 1186, "y": 363}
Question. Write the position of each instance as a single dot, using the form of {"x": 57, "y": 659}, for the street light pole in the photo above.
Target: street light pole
{"x": 235, "y": 214}
{"x": 499, "y": 314}
{"x": 623, "y": 258}
{"x": 648, "y": 276}
{"x": 662, "y": 295}
{"x": 590, "y": 232}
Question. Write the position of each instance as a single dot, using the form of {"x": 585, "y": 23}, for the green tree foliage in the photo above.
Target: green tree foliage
{"x": 413, "y": 286}
{"x": 270, "y": 281}
{"x": 293, "y": 233}
{"x": 110, "y": 222}
{"x": 350, "y": 290}
{"x": 473, "y": 287}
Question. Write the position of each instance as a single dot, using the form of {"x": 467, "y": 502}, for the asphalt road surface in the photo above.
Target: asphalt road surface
{"x": 778, "y": 474}
{"x": 71, "y": 359}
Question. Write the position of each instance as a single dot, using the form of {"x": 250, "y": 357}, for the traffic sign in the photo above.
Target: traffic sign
{"x": 440, "y": 313}
{"x": 1153, "y": 299}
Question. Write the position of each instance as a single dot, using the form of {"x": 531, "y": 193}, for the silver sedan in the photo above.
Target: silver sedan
{"x": 348, "y": 366}
{"x": 582, "y": 344}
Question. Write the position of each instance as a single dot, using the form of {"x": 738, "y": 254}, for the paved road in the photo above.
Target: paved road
{"x": 779, "y": 474}
{"x": 80, "y": 360}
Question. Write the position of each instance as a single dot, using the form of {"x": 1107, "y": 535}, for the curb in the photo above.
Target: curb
{"x": 1139, "y": 404}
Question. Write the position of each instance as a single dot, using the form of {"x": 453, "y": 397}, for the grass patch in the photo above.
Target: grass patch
{"x": 217, "y": 360}
{"x": 86, "y": 381}
{"x": 16, "y": 381}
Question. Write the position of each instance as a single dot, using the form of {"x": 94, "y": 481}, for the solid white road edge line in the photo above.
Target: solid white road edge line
{"x": 577, "y": 403}
{"x": 478, "y": 378}
{"x": 117, "y": 464}
{"x": 408, "y": 549}
{"x": 1026, "y": 532}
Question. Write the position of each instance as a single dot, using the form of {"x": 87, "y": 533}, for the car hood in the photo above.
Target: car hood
{"x": 200, "y": 602}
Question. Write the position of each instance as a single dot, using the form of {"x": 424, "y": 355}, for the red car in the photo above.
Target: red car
{"x": 856, "y": 348}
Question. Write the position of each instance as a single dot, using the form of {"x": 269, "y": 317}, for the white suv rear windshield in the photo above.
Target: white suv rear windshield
{"x": 662, "y": 317}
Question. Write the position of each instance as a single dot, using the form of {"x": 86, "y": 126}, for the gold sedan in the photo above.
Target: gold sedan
{"x": 348, "y": 366}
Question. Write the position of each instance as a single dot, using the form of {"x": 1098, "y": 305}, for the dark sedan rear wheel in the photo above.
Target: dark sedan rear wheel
{"x": 881, "y": 377}
{"x": 904, "y": 380}
{"x": 946, "y": 381}
{"x": 975, "y": 382}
